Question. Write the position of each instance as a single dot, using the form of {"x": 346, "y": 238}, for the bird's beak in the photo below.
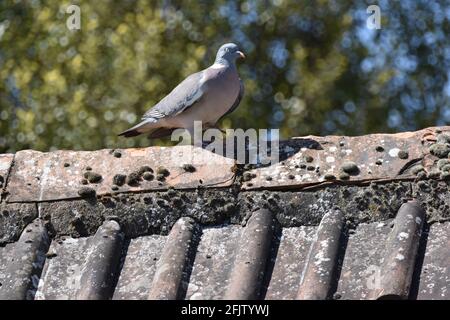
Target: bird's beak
{"x": 241, "y": 54}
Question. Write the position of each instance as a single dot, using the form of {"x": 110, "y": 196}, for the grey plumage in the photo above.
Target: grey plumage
{"x": 205, "y": 96}
{"x": 238, "y": 100}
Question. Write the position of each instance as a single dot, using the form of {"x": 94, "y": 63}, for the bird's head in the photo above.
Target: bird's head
{"x": 229, "y": 52}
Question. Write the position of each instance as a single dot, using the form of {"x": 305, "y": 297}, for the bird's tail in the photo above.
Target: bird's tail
{"x": 129, "y": 133}
{"x": 138, "y": 129}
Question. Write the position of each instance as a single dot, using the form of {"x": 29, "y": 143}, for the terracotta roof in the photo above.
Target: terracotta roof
{"x": 337, "y": 218}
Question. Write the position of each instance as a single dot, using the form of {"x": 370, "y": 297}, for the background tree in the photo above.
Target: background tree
{"x": 313, "y": 67}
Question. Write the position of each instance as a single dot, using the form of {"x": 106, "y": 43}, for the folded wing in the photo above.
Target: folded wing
{"x": 186, "y": 94}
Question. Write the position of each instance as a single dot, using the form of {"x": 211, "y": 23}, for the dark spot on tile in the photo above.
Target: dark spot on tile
{"x": 144, "y": 169}
{"x": 350, "y": 167}
{"x": 92, "y": 177}
{"x": 148, "y": 176}
{"x": 188, "y": 167}
{"x": 309, "y": 159}
{"x": 163, "y": 171}
{"x": 119, "y": 179}
{"x": 403, "y": 154}
{"x": 440, "y": 150}
{"x": 344, "y": 176}
{"x": 247, "y": 176}
{"x": 86, "y": 192}
{"x": 133, "y": 179}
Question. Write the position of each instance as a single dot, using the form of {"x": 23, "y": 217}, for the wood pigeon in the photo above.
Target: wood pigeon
{"x": 204, "y": 96}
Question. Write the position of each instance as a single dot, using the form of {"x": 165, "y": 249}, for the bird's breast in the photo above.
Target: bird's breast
{"x": 223, "y": 91}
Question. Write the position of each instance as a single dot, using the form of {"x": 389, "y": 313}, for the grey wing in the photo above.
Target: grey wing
{"x": 183, "y": 96}
{"x": 238, "y": 99}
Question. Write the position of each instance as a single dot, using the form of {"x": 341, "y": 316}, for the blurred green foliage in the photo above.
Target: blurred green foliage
{"x": 312, "y": 67}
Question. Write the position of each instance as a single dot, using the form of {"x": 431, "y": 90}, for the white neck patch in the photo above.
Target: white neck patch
{"x": 217, "y": 66}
